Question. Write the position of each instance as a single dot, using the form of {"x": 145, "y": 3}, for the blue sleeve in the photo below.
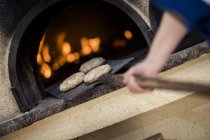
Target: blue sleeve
{"x": 196, "y": 13}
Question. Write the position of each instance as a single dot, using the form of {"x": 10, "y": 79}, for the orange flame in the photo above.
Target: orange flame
{"x": 60, "y": 39}
{"x": 70, "y": 58}
{"x": 76, "y": 55}
{"x": 66, "y": 49}
{"x": 65, "y": 53}
{"x": 39, "y": 58}
{"x": 55, "y": 66}
{"x": 86, "y": 50}
{"x": 41, "y": 44}
{"x": 95, "y": 44}
{"x": 46, "y": 54}
{"x": 90, "y": 45}
{"x": 128, "y": 34}
{"x": 46, "y": 70}
{"x": 61, "y": 60}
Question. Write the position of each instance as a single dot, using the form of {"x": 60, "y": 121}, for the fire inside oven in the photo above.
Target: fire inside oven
{"x": 85, "y": 31}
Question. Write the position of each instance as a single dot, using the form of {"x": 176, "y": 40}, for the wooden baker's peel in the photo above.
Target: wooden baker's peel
{"x": 152, "y": 83}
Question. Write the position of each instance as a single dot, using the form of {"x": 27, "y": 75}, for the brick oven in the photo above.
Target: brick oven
{"x": 45, "y": 41}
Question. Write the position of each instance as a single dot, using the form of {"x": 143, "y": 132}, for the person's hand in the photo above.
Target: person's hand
{"x": 168, "y": 36}
{"x": 145, "y": 68}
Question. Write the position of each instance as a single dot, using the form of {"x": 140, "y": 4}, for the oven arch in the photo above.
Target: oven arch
{"x": 25, "y": 88}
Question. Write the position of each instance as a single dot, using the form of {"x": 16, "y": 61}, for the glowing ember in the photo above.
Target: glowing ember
{"x": 55, "y": 66}
{"x": 128, "y": 34}
{"x": 76, "y": 55}
{"x": 119, "y": 43}
{"x": 61, "y": 60}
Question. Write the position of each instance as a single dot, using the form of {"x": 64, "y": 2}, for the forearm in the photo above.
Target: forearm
{"x": 170, "y": 33}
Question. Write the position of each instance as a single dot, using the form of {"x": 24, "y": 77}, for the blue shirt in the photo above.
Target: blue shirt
{"x": 196, "y": 13}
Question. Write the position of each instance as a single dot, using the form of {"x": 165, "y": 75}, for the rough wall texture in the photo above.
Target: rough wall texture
{"x": 10, "y": 14}
{"x": 149, "y": 13}
{"x": 142, "y": 7}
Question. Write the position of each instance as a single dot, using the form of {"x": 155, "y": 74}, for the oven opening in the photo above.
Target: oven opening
{"x": 51, "y": 44}
{"x": 85, "y": 31}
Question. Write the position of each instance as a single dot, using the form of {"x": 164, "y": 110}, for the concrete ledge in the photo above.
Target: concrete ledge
{"x": 184, "y": 119}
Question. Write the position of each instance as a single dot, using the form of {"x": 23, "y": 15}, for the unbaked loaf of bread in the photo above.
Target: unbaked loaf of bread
{"x": 72, "y": 81}
{"x": 91, "y": 64}
{"x": 96, "y": 73}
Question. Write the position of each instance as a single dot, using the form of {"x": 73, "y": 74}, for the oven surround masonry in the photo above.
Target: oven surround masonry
{"x": 15, "y": 19}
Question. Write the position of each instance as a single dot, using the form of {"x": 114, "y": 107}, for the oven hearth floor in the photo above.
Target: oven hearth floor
{"x": 171, "y": 113}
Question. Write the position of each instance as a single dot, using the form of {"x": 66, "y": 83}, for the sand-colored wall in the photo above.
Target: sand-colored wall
{"x": 185, "y": 119}
{"x": 121, "y": 105}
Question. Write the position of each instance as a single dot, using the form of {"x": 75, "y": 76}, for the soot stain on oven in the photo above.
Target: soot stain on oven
{"x": 85, "y": 31}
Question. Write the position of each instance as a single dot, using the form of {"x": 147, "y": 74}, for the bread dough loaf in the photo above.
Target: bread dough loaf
{"x": 72, "y": 81}
{"x": 96, "y": 73}
{"x": 91, "y": 64}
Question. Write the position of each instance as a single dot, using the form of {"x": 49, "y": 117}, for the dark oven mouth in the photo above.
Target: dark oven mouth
{"x": 56, "y": 37}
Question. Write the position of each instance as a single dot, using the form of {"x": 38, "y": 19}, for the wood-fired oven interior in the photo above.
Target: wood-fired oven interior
{"x": 84, "y": 31}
